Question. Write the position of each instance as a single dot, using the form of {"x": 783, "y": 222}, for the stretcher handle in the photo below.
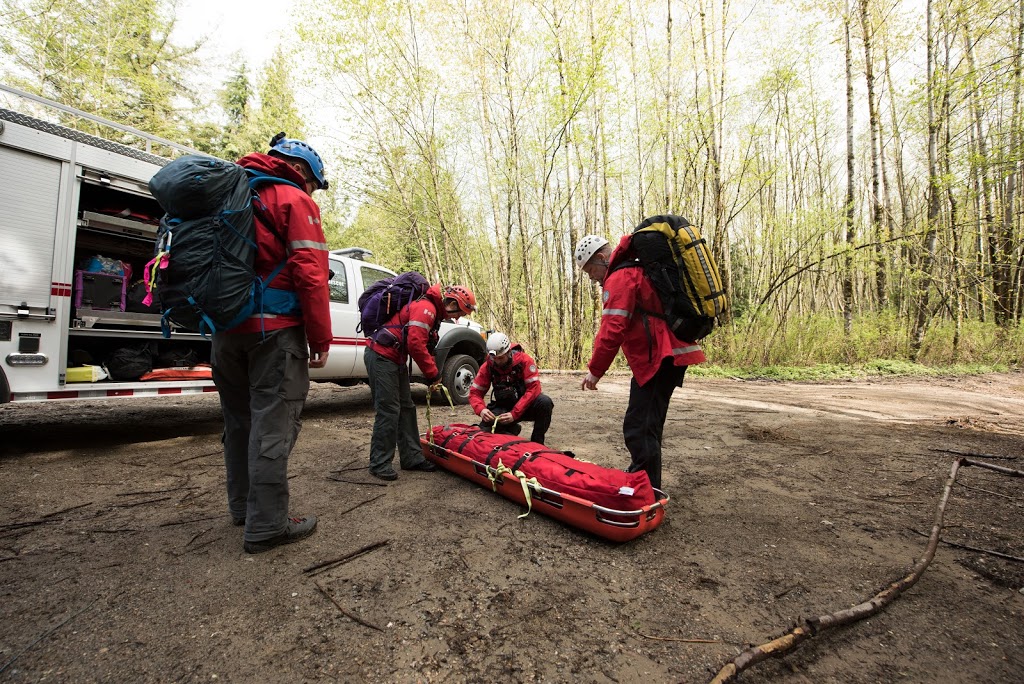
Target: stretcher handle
{"x": 618, "y": 523}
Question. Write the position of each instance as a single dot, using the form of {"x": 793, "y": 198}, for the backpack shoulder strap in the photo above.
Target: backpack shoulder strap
{"x": 257, "y": 178}
{"x": 635, "y": 263}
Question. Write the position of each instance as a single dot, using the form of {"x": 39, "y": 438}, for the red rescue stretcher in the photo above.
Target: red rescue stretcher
{"x": 604, "y": 501}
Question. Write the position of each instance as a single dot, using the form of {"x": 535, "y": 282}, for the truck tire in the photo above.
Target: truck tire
{"x": 457, "y": 376}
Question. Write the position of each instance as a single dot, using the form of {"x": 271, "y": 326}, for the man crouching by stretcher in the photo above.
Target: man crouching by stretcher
{"x": 516, "y": 396}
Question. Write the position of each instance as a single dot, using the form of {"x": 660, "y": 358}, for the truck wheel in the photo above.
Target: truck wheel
{"x": 457, "y": 376}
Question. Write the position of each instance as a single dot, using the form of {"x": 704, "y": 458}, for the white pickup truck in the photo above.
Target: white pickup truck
{"x": 67, "y": 197}
{"x": 460, "y": 349}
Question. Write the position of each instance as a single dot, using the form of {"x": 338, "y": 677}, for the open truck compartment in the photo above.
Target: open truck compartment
{"x": 110, "y": 327}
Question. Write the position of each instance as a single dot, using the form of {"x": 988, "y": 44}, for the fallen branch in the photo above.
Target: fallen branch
{"x": 46, "y": 634}
{"x": 679, "y": 639}
{"x": 987, "y": 491}
{"x": 786, "y": 591}
{"x": 193, "y": 549}
{"x": 68, "y": 510}
{"x": 358, "y": 482}
{"x": 141, "y": 503}
{"x": 156, "y": 491}
{"x": 974, "y": 453}
{"x": 346, "y": 558}
{"x": 811, "y": 627}
{"x": 14, "y": 534}
{"x": 26, "y": 523}
{"x": 187, "y": 522}
{"x": 349, "y": 510}
{"x": 350, "y": 616}
{"x": 192, "y": 458}
{"x": 197, "y": 535}
{"x": 968, "y": 547}
{"x": 991, "y": 466}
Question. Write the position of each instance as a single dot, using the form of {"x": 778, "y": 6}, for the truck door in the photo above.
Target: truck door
{"x": 342, "y": 357}
{"x": 29, "y": 199}
{"x": 31, "y": 211}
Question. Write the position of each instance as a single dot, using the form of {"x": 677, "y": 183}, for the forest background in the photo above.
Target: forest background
{"x": 855, "y": 165}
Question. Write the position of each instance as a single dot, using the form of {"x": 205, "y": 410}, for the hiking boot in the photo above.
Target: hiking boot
{"x": 424, "y": 465}
{"x": 298, "y": 528}
{"x": 388, "y": 474}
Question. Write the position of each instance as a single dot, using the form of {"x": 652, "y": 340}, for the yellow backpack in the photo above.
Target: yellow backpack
{"x": 683, "y": 272}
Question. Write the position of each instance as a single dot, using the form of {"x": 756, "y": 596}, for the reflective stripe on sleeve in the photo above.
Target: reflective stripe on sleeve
{"x": 617, "y": 312}
{"x": 686, "y": 350}
{"x": 476, "y": 386}
{"x": 420, "y": 324}
{"x": 307, "y": 244}
{"x": 529, "y": 380}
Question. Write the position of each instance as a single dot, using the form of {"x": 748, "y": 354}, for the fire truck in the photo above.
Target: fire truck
{"x": 69, "y": 200}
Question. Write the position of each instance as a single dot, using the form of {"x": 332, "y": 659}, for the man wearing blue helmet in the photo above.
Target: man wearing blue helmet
{"x": 261, "y": 367}
{"x": 292, "y": 150}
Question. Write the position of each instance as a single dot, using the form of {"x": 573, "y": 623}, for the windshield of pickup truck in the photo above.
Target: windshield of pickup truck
{"x": 371, "y": 275}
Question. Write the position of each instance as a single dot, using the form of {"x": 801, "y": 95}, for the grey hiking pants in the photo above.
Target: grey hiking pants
{"x": 395, "y": 422}
{"x": 263, "y": 380}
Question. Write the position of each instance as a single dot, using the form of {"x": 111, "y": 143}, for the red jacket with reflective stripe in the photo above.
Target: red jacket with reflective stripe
{"x": 491, "y": 372}
{"x": 296, "y": 218}
{"x": 627, "y": 293}
{"x": 419, "y": 318}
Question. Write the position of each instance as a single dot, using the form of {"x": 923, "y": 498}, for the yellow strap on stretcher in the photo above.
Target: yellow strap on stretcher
{"x": 430, "y": 427}
{"x": 525, "y": 482}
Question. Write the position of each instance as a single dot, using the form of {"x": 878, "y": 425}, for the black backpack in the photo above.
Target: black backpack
{"x": 203, "y": 270}
{"x": 125, "y": 364}
{"x": 677, "y": 261}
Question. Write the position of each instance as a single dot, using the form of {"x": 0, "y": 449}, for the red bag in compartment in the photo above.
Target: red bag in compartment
{"x": 556, "y": 470}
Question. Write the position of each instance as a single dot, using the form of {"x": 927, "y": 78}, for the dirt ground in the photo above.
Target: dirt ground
{"x": 119, "y": 563}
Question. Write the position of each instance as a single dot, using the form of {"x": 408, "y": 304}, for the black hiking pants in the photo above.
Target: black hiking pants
{"x": 644, "y": 421}
{"x": 539, "y": 411}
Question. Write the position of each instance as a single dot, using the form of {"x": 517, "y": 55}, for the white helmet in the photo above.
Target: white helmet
{"x": 586, "y": 248}
{"x": 498, "y": 344}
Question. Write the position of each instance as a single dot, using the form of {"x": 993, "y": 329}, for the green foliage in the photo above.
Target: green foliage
{"x": 112, "y": 58}
{"x": 817, "y": 341}
{"x": 831, "y": 372}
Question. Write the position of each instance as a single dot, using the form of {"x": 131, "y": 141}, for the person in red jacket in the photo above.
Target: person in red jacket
{"x": 630, "y": 321}
{"x": 410, "y": 332}
{"x": 261, "y": 367}
{"x": 516, "y": 395}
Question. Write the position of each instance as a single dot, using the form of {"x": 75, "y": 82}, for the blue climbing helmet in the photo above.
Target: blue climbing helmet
{"x": 300, "y": 150}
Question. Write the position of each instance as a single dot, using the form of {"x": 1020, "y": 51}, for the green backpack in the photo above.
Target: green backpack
{"x": 677, "y": 261}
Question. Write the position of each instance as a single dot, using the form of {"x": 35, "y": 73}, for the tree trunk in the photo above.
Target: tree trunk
{"x": 981, "y": 161}
{"x": 715, "y": 74}
{"x": 934, "y": 199}
{"x": 877, "y": 222}
{"x": 850, "y": 228}
{"x": 1003, "y": 276}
